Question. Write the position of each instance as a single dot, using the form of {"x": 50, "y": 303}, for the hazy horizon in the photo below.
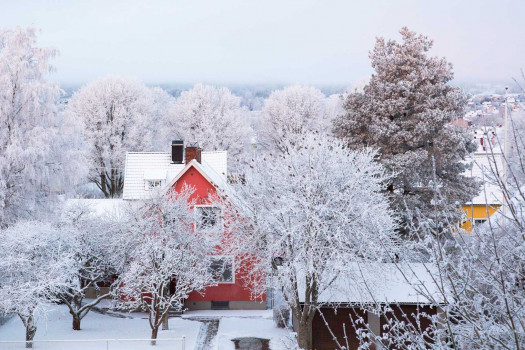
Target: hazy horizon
{"x": 321, "y": 43}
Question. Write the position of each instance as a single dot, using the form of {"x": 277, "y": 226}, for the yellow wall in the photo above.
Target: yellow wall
{"x": 476, "y": 212}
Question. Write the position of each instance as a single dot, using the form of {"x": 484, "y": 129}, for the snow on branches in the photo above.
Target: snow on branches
{"x": 290, "y": 113}
{"x": 31, "y": 166}
{"x": 309, "y": 212}
{"x": 406, "y": 111}
{"x": 116, "y": 115}
{"x": 213, "y": 118}
{"x": 170, "y": 257}
{"x": 35, "y": 267}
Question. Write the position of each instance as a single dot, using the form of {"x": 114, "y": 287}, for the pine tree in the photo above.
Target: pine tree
{"x": 406, "y": 111}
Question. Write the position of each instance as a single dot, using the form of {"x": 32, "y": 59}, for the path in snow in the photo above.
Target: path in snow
{"x": 207, "y": 331}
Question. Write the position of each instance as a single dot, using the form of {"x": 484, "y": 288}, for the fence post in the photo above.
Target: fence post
{"x": 107, "y": 344}
{"x": 183, "y": 343}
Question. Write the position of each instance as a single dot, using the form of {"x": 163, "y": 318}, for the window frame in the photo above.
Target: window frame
{"x": 149, "y": 182}
{"x": 479, "y": 221}
{"x": 197, "y": 216}
{"x": 219, "y": 257}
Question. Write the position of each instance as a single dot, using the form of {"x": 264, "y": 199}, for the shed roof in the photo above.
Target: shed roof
{"x": 408, "y": 283}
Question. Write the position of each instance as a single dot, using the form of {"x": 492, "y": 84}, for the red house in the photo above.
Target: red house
{"x": 206, "y": 172}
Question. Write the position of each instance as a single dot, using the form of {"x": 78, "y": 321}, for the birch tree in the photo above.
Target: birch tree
{"x": 169, "y": 260}
{"x": 307, "y": 213}
{"x": 32, "y": 167}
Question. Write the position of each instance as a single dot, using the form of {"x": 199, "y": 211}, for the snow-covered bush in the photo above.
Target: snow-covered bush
{"x": 281, "y": 315}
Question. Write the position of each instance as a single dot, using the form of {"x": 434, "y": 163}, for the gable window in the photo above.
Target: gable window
{"x": 208, "y": 217}
{"x": 222, "y": 269}
{"x": 153, "y": 184}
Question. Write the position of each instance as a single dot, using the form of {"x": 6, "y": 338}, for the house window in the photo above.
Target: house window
{"x": 479, "y": 221}
{"x": 153, "y": 184}
{"x": 208, "y": 217}
{"x": 222, "y": 270}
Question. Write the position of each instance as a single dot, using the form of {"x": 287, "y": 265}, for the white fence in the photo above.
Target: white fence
{"x": 100, "y": 344}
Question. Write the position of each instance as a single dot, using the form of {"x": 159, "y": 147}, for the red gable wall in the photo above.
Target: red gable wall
{"x": 224, "y": 291}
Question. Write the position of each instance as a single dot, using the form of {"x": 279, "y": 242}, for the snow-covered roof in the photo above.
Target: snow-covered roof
{"x": 143, "y": 166}
{"x": 412, "y": 283}
{"x": 484, "y": 165}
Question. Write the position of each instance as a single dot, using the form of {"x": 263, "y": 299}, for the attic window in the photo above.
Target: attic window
{"x": 208, "y": 217}
{"x": 153, "y": 184}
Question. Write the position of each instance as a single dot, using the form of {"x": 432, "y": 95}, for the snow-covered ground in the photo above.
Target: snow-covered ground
{"x": 240, "y": 327}
{"x": 57, "y": 326}
{"x": 243, "y": 324}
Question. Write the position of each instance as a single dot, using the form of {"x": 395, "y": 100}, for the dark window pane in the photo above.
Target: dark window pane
{"x": 222, "y": 269}
{"x": 208, "y": 217}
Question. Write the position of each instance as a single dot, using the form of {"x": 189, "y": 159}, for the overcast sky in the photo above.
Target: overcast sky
{"x": 266, "y": 41}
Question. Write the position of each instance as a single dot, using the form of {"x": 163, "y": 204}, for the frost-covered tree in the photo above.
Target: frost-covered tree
{"x": 163, "y": 112}
{"x": 115, "y": 114}
{"x": 479, "y": 277}
{"x": 100, "y": 248}
{"x": 307, "y": 213}
{"x": 169, "y": 260}
{"x": 406, "y": 111}
{"x": 290, "y": 113}
{"x": 213, "y": 118}
{"x": 34, "y": 268}
{"x": 32, "y": 165}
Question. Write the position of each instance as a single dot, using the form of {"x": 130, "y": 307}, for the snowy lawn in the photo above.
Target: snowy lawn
{"x": 245, "y": 323}
{"x": 57, "y": 326}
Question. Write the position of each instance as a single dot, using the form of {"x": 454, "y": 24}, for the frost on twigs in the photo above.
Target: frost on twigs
{"x": 406, "y": 111}
{"x": 306, "y": 214}
{"x": 169, "y": 257}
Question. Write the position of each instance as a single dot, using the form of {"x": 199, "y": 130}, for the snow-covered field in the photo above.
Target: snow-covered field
{"x": 57, "y": 326}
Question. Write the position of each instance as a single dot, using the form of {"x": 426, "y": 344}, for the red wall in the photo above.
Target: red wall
{"x": 222, "y": 292}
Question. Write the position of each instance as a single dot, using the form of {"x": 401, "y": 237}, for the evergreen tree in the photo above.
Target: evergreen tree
{"x": 406, "y": 111}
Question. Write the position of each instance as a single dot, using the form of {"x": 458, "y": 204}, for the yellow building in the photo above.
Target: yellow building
{"x": 484, "y": 164}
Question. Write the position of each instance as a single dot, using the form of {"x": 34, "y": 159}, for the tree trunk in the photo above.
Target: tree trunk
{"x": 304, "y": 336}
{"x": 154, "y": 332}
{"x": 165, "y": 325}
{"x": 30, "y": 332}
{"x": 76, "y": 323}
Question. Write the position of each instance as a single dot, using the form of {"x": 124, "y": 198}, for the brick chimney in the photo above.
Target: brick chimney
{"x": 193, "y": 152}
